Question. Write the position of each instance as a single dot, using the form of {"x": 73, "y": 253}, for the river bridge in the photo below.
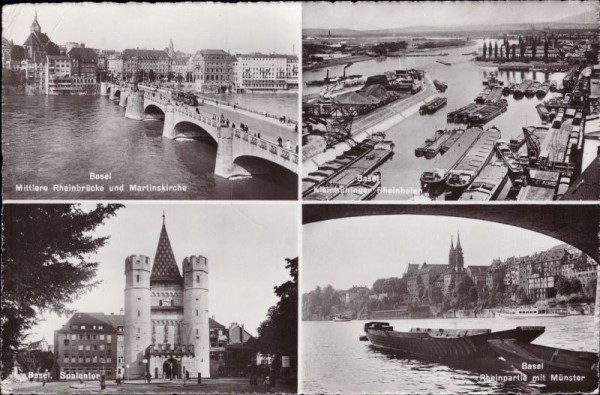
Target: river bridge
{"x": 261, "y": 137}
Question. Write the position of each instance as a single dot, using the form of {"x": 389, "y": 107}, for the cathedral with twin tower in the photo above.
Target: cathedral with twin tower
{"x": 166, "y": 314}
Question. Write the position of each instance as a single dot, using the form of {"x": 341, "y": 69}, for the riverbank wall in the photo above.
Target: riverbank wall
{"x": 380, "y": 120}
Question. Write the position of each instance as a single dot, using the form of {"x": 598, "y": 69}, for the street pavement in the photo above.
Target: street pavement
{"x": 220, "y": 385}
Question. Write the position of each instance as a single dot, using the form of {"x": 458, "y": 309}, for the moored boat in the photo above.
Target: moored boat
{"x": 508, "y": 157}
{"x": 420, "y": 151}
{"x": 488, "y": 184}
{"x": 543, "y": 89}
{"x": 465, "y": 171}
{"x": 444, "y": 343}
{"x": 446, "y": 145}
{"x": 440, "y": 86}
{"x": 433, "y": 149}
{"x": 340, "y": 318}
{"x": 433, "y": 105}
{"x": 534, "y": 311}
{"x": 519, "y": 91}
{"x": 532, "y": 89}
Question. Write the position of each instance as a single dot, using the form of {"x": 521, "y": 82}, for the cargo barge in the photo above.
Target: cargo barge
{"x": 432, "y": 181}
{"x": 342, "y": 181}
{"x": 456, "y": 133}
{"x": 488, "y": 184}
{"x": 465, "y": 171}
{"x": 433, "y": 106}
{"x": 532, "y": 89}
{"x": 433, "y": 149}
{"x": 519, "y": 91}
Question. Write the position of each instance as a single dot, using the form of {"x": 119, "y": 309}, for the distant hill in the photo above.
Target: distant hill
{"x": 584, "y": 20}
{"x": 588, "y": 17}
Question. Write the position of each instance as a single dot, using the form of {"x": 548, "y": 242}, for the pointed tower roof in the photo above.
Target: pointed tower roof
{"x": 35, "y": 26}
{"x": 458, "y": 242}
{"x": 165, "y": 267}
{"x": 451, "y": 242}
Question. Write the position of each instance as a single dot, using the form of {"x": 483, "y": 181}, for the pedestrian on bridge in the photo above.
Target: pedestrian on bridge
{"x": 280, "y": 141}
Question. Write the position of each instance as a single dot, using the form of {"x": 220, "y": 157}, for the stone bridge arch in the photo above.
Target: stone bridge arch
{"x": 179, "y": 130}
{"x": 574, "y": 225}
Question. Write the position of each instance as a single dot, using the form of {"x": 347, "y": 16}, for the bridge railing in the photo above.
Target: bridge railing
{"x": 282, "y": 152}
{"x": 215, "y": 101}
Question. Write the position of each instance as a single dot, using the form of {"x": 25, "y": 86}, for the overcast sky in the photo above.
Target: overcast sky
{"x": 246, "y": 246}
{"x": 435, "y": 13}
{"x": 357, "y": 251}
{"x": 236, "y": 27}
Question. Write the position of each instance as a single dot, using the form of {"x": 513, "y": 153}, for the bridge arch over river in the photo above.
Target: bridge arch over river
{"x": 232, "y": 141}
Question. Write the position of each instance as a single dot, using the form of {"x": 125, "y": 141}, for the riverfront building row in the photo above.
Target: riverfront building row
{"x": 73, "y": 68}
{"x": 537, "y": 275}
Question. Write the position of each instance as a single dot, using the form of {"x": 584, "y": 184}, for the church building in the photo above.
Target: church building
{"x": 38, "y": 45}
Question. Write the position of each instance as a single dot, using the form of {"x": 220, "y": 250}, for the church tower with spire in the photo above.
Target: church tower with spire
{"x": 456, "y": 260}
{"x": 35, "y": 26}
{"x": 459, "y": 260}
{"x": 166, "y": 316}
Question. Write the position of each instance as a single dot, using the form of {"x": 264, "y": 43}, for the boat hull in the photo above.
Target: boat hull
{"x": 434, "y": 344}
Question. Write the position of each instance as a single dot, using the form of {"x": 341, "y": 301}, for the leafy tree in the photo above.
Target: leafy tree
{"x": 484, "y": 49}
{"x": 496, "y": 49}
{"x": 436, "y": 295}
{"x": 278, "y": 334}
{"x": 533, "y": 50}
{"x": 546, "y": 50}
{"x": 590, "y": 288}
{"x": 576, "y": 286}
{"x": 514, "y": 51}
{"x": 13, "y": 77}
{"x": 522, "y": 297}
{"x": 563, "y": 286}
{"x": 45, "y": 264}
{"x": 36, "y": 360}
{"x": 490, "y": 50}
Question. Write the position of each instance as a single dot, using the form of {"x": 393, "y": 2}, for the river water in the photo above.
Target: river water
{"x": 49, "y": 140}
{"x": 464, "y": 79}
{"x": 335, "y": 361}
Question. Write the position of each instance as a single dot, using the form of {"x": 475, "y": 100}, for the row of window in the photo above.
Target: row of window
{"x": 84, "y": 327}
{"x": 91, "y": 337}
{"x": 81, "y": 359}
{"x": 92, "y": 347}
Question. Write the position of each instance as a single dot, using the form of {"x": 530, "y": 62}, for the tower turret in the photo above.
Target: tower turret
{"x": 459, "y": 258}
{"x": 138, "y": 335}
{"x": 195, "y": 312}
{"x": 35, "y": 26}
